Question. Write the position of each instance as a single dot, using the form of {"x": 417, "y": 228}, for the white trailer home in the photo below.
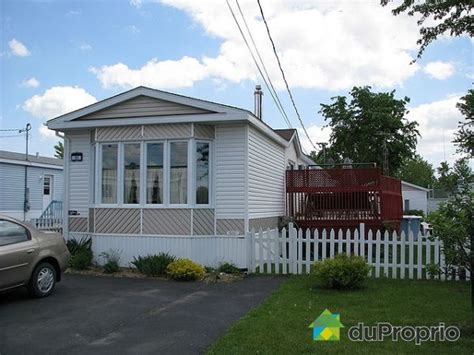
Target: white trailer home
{"x": 149, "y": 171}
{"x": 29, "y": 185}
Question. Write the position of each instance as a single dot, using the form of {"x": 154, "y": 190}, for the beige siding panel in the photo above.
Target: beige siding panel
{"x": 230, "y": 162}
{"x": 79, "y": 188}
{"x": 263, "y": 223}
{"x": 203, "y": 222}
{"x": 266, "y": 177}
{"x": 142, "y": 106}
{"x": 119, "y": 133}
{"x": 117, "y": 220}
{"x": 167, "y": 221}
{"x": 164, "y": 131}
{"x": 78, "y": 224}
{"x": 230, "y": 226}
{"x": 203, "y": 131}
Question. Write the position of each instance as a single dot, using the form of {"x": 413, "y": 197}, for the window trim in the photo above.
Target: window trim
{"x": 191, "y": 184}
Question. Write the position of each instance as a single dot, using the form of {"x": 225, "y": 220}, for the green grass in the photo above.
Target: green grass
{"x": 280, "y": 324}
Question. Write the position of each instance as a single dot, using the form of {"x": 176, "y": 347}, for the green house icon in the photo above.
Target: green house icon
{"x": 327, "y": 326}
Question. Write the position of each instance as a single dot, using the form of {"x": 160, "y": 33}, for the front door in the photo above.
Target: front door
{"x": 48, "y": 182}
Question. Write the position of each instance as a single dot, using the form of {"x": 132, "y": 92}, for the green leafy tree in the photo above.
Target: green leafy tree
{"x": 417, "y": 171}
{"x": 363, "y": 125}
{"x": 437, "y": 17}
{"x": 453, "y": 223}
{"x": 450, "y": 178}
{"x": 464, "y": 138}
{"x": 59, "y": 150}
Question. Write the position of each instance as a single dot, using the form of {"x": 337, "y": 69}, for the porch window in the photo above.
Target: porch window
{"x": 109, "y": 173}
{"x": 202, "y": 173}
{"x": 178, "y": 172}
{"x": 131, "y": 161}
{"x": 154, "y": 173}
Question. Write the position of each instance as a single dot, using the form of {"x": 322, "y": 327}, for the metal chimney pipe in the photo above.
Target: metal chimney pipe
{"x": 258, "y": 94}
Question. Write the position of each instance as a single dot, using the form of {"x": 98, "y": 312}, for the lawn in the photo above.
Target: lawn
{"x": 280, "y": 324}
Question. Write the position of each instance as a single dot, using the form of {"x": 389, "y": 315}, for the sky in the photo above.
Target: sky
{"x": 58, "y": 56}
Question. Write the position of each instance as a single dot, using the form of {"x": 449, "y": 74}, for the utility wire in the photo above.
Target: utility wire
{"x": 263, "y": 65}
{"x": 283, "y": 74}
{"x": 256, "y": 63}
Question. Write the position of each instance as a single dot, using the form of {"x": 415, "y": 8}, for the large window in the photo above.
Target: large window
{"x": 109, "y": 173}
{"x": 154, "y": 173}
{"x": 178, "y": 172}
{"x": 131, "y": 176}
{"x": 162, "y": 173}
{"x": 202, "y": 173}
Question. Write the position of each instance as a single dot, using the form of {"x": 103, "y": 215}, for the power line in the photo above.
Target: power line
{"x": 283, "y": 74}
{"x": 256, "y": 63}
{"x": 263, "y": 65}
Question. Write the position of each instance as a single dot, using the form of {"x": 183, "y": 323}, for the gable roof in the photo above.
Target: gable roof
{"x": 415, "y": 186}
{"x": 20, "y": 159}
{"x": 327, "y": 319}
{"x": 177, "y": 109}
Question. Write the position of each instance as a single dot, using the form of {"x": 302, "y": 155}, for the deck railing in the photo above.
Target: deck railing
{"x": 51, "y": 219}
{"x": 341, "y": 197}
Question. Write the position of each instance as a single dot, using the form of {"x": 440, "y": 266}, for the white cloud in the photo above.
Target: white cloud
{"x": 438, "y": 121}
{"x": 327, "y": 45}
{"x": 317, "y": 134}
{"x": 439, "y": 70}
{"x": 165, "y": 74}
{"x": 45, "y": 133}
{"x": 85, "y": 47}
{"x": 58, "y": 100}
{"x": 136, "y": 3}
{"x": 30, "y": 83}
{"x": 133, "y": 29}
{"x": 17, "y": 48}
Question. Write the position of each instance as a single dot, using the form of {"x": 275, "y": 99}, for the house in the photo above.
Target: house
{"x": 327, "y": 326}
{"x": 149, "y": 171}
{"x": 29, "y": 185}
{"x": 414, "y": 197}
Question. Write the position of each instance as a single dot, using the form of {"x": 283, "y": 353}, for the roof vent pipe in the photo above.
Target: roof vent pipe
{"x": 258, "y": 101}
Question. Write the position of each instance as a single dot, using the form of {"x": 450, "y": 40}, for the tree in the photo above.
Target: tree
{"x": 59, "y": 150}
{"x": 437, "y": 18}
{"x": 450, "y": 179}
{"x": 464, "y": 138}
{"x": 369, "y": 128}
{"x": 417, "y": 171}
{"x": 453, "y": 223}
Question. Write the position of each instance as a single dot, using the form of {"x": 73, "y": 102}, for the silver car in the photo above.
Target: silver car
{"x": 31, "y": 258}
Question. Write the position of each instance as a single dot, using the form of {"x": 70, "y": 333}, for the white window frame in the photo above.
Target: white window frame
{"x": 191, "y": 184}
{"x": 211, "y": 174}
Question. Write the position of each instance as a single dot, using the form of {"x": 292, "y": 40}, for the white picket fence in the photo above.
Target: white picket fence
{"x": 390, "y": 255}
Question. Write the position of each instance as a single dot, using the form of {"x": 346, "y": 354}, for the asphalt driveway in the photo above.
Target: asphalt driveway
{"x": 105, "y": 315}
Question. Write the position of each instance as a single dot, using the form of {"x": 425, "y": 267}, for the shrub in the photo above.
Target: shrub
{"x": 112, "y": 259}
{"x": 81, "y": 253}
{"x": 342, "y": 272}
{"x": 228, "y": 268}
{"x": 153, "y": 265}
{"x": 185, "y": 270}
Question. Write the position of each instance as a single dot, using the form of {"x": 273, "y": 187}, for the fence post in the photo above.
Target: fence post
{"x": 362, "y": 239}
{"x": 292, "y": 250}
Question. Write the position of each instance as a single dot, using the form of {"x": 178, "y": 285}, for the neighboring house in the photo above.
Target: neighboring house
{"x": 146, "y": 168}
{"x": 414, "y": 197}
{"x": 44, "y": 178}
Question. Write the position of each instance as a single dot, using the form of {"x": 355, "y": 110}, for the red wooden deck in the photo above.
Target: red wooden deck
{"x": 343, "y": 198}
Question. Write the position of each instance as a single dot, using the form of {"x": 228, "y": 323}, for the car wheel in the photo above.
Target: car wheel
{"x": 42, "y": 280}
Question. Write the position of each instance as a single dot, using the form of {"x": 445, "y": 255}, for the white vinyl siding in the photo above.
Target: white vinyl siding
{"x": 266, "y": 176}
{"x": 230, "y": 161}
{"x": 12, "y": 191}
{"x": 79, "y": 188}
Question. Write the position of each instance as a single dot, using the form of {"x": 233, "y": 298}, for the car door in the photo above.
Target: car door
{"x": 17, "y": 252}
